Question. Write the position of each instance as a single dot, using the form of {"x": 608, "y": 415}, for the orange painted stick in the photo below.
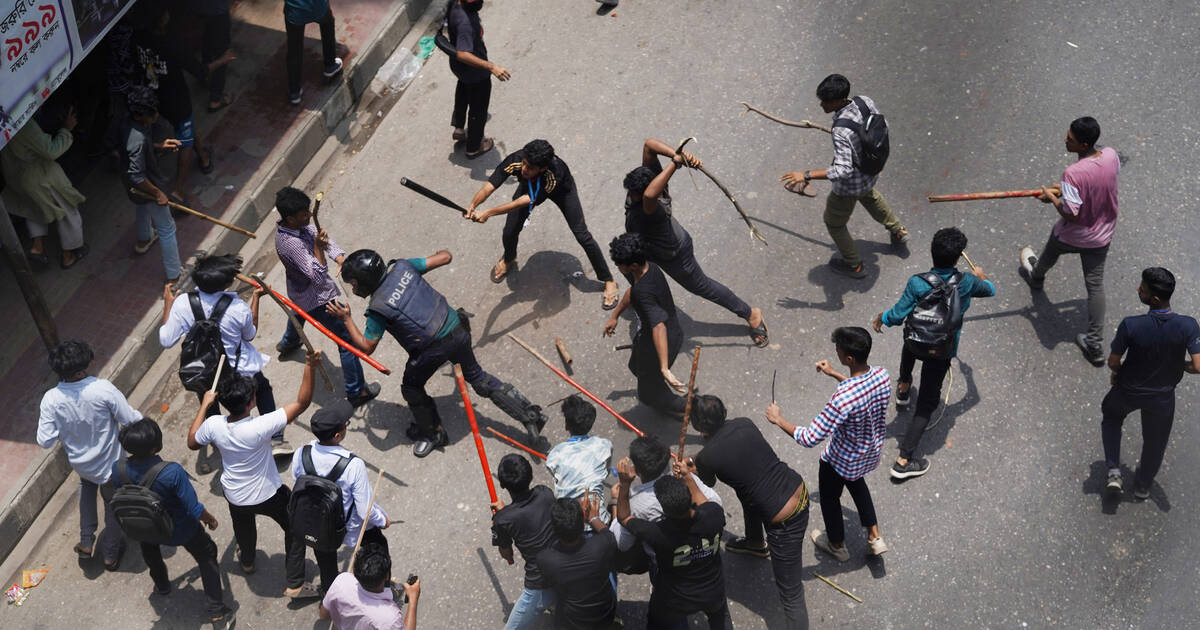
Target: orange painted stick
{"x": 487, "y": 472}
{"x": 515, "y": 443}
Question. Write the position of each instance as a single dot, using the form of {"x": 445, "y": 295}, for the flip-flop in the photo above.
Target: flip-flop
{"x": 37, "y": 259}
{"x": 84, "y": 552}
{"x": 206, "y": 169}
{"x": 758, "y": 334}
{"x": 498, "y": 276}
{"x": 487, "y": 145}
{"x": 79, "y": 252}
{"x": 226, "y": 101}
{"x": 609, "y": 304}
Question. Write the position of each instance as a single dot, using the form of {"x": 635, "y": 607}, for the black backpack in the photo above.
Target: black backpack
{"x": 315, "y": 511}
{"x": 932, "y": 328}
{"x": 202, "y": 347}
{"x": 440, "y": 39}
{"x": 139, "y": 510}
{"x": 872, "y": 138}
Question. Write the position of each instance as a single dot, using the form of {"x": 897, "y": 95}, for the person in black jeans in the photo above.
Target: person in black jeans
{"x": 659, "y": 335}
{"x": 541, "y": 175}
{"x": 296, "y": 15}
{"x": 771, "y": 493}
{"x": 1145, "y": 381}
{"x": 215, "y": 25}
{"x": 470, "y": 64}
{"x": 579, "y": 568}
{"x": 143, "y": 440}
{"x": 648, "y": 212}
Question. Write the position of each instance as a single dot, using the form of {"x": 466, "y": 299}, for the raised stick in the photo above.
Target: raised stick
{"x": 487, "y": 472}
{"x": 366, "y": 519}
{"x": 568, "y": 379}
{"x": 968, "y": 259}
{"x": 297, "y": 327}
{"x": 687, "y": 406}
{"x": 217, "y": 376}
{"x": 182, "y": 208}
{"x": 515, "y": 443}
{"x": 737, "y": 206}
{"x": 840, "y": 589}
{"x": 316, "y": 209}
{"x": 803, "y": 124}
{"x": 308, "y": 318}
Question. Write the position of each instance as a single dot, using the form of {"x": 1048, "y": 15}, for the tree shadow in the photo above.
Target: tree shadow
{"x": 1052, "y": 323}
{"x": 1109, "y": 501}
{"x": 545, "y": 281}
{"x": 935, "y": 436}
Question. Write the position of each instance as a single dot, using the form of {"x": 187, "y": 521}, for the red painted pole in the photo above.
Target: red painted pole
{"x": 308, "y": 318}
{"x": 568, "y": 379}
{"x": 515, "y": 443}
{"x": 1004, "y": 194}
{"x": 487, "y": 472}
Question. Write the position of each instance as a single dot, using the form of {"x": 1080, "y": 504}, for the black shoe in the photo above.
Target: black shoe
{"x": 757, "y": 548}
{"x": 365, "y": 396}
{"x": 914, "y": 468}
{"x": 535, "y": 423}
{"x": 1093, "y": 354}
{"x": 425, "y": 445}
{"x": 903, "y": 398}
{"x": 163, "y": 590}
{"x": 282, "y": 348}
{"x": 115, "y": 563}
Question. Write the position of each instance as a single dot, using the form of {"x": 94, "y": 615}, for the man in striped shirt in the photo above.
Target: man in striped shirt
{"x": 856, "y": 417}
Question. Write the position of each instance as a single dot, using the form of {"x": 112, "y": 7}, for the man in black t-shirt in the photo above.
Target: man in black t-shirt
{"x": 648, "y": 212}
{"x": 470, "y": 64}
{"x": 687, "y": 544}
{"x": 541, "y": 175}
{"x": 771, "y": 493}
{"x": 659, "y": 336}
{"x": 579, "y": 568}
{"x": 526, "y": 523}
{"x": 1153, "y": 345}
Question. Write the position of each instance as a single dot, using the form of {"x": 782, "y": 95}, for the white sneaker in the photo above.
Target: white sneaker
{"x": 821, "y": 541}
{"x": 877, "y": 546}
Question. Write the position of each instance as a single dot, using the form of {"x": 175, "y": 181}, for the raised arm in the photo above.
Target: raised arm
{"x": 304, "y": 397}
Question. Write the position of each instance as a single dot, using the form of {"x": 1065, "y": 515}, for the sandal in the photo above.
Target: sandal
{"x": 226, "y": 101}
{"x": 758, "y": 334}
{"x": 206, "y": 154}
{"x": 84, "y": 552}
{"x": 611, "y": 298}
{"x": 484, "y": 147}
{"x": 37, "y": 259}
{"x": 501, "y": 269}
{"x": 79, "y": 253}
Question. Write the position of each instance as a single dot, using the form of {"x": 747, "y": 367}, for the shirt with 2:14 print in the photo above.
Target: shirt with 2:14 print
{"x": 688, "y": 553}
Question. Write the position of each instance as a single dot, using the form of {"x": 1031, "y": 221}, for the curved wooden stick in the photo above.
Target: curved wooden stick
{"x": 737, "y": 206}
{"x": 515, "y": 443}
{"x": 182, "y": 208}
{"x": 803, "y": 124}
{"x": 487, "y": 472}
{"x": 316, "y": 209}
{"x": 687, "y": 407}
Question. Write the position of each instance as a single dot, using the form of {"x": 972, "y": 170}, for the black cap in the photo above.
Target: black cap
{"x": 332, "y": 418}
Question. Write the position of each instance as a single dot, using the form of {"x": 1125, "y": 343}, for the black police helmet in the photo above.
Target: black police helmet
{"x": 366, "y": 269}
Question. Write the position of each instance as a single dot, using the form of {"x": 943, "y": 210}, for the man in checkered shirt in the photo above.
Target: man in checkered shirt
{"x": 850, "y": 184}
{"x": 856, "y": 417}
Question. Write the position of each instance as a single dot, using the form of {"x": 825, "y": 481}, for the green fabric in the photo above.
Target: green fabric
{"x": 375, "y": 327}
{"x": 32, "y": 173}
{"x": 425, "y": 47}
{"x": 838, "y": 209}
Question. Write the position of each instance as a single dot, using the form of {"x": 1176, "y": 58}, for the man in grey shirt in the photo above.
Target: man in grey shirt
{"x": 142, "y": 173}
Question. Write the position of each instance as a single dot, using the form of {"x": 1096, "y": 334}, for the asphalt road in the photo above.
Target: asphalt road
{"x": 1008, "y": 529}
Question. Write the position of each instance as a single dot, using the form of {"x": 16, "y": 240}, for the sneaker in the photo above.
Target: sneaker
{"x": 294, "y": 97}
{"x": 287, "y": 348}
{"x": 1114, "y": 485}
{"x": 280, "y": 448}
{"x": 1141, "y": 494}
{"x": 841, "y": 267}
{"x": 1028, "y": 262}
{"x": 758, "y": 549}
{"x": 366, "y": 395}
{"x": 914, "y": 468}
{"x": 821, "y": 541}
{"x": 141, "y": 247}
{"x": 425, "y": 445}
{"x": 308, "y": 590}
{"x": 1093, "y": 354}
{"x": 332, "y": 71}
{"x": 903, "y": 398}
{"x": 900, "y": 237}
{"x": 877, "y": 546}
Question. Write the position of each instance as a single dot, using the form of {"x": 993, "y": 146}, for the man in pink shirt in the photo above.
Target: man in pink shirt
{"x": 363, "y": 600}
{"x": 1086, "y": 201}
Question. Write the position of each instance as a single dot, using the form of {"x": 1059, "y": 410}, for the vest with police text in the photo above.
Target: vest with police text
{"x": 413, "y": 310}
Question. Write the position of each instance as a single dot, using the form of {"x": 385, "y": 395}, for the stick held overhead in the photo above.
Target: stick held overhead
{"x": 803, "y": 124}
{"x": 687, "y": 406}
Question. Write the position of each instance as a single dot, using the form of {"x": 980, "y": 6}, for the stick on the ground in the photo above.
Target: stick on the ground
{"x": 1000, "y": 194}
{"x": 581, "y": 388}
{"x": 840, "y": 589}
{"x": 562, "y": 350}
{"x": 624, "y": 346}
{"x": 515, "y": 443}
{"x": 308, "y": 347}
{"x": 687, "y": 406}
{"x": 183, "y": 208}
{"x": 487, "y": 472}
{"x": 366, "y": 519}
{"x": 803, "y": 124}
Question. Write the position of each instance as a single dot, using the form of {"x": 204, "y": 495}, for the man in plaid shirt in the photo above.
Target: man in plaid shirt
{"x": 856, "y": 417}
{"x": 850, "y": 184}
{"x": 305, "y": 254}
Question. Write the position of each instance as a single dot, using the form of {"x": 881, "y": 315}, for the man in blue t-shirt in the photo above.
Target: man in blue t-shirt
{"x": 946, "y": 248}
{"x": 1152, "y": 345}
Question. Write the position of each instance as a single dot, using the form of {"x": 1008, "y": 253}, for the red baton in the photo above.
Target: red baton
{"x": 487, "y": 472}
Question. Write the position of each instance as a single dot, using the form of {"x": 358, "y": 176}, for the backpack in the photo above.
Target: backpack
{"x": 440, "y": 39}
{"x": 139, "y": 510}
{"x": 202, "y": 347}
{"x": 872, "y": 139}
{"x": 316, "y": 512}
{"x": 932, "y": 328}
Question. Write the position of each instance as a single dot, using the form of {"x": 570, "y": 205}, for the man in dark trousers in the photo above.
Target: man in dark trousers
{"x": 850, "y": 184}
{"x": 470, "y": 64}
{"x": 1145, "y": 381}
{"x": 771, "y": 493}
{"x": 525, "y": 522}
{"x": 657, "y": 340}
{"x": 296, "y": 15}
{"x": 946, "y": 248}
{"x": 404, "y": 304}
{"x": 649, "y": 213}
{"x": 541, "y": 175}
{"x": 579, "y": 568}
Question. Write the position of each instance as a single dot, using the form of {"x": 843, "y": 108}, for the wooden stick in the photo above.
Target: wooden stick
{"x": 217, "y": 377}
{"x": 840, "y": 589}
{"x": 515, "y": 443}
{"x": 487, "y": 472}
{"x": 687, "y": 406}
{"x": 968, "y": 259}
{"x": 581, "y": 388}
{"x": 309, "y": 318}
{"x": 298, "y": 328}
{"x": 803, "y": 124}
{"x": 366, "y": 519}
{"x": 316, "y": 209}
{"x": 183, "y": 208}
{"x": 1003, "y": 194}
{"x": 736, "y": 206}
{"x": 562, "y": 350}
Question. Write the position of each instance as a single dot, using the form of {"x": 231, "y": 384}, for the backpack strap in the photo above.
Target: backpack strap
{"x": 219, "y": 309}
{"x": 197, "y": 309}
{"x": 862, "y": 108}
{"x": 123, "y": 471}
{"x": 339, "y": 468}
{"x": 151, "y": 475}
{"x": 306, "y": 460}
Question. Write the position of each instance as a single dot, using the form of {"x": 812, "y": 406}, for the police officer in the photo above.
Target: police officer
{"x": 404, "y": 304}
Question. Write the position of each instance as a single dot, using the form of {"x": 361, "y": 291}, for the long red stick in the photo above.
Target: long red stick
{"x": 568, "y": 379}
{"x": 308, "y": 318}
{"x": 515, "y": 443}
{"x": 487, "y": 472}
{"x": 1003, "y": 194}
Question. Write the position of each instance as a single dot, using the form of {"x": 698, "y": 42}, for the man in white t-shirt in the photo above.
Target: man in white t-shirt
{"x": 250, "y": 481}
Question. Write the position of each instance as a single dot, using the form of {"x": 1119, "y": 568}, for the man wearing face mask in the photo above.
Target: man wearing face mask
{"x": 541, "y": 175}
{"x": 470, "y": 64}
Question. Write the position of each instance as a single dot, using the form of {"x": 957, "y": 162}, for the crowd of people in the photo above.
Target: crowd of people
{"x": 663, "y": 516}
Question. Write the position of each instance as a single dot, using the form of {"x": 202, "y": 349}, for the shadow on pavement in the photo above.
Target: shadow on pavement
{"x": 937, "y": 435}
{"x": 1052, "y": 323}
{"x": 1109, "y": 502}
{"x": 544, "y": 280}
